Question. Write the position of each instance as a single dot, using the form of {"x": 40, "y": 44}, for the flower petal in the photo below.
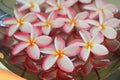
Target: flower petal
{"x": 82, "y": 24}
{"x": 85, "y": 35}
{"x": 82, "y": 15}
{"x": 48, "y": 50}
{"x": 33, "y": 52}
{"x": 99, "y": 50}
{"x": 19, "y": 47}
{"x": 23, "y": 7}
{"x": 59, "y": 43}
{"x": 111, "y": 7}
{"x": 50, "y": 9}
{"x": 57, "y": 23}
{"x": 36, "y": 8}
{"x": 9, "y": 21}
{"x": 65, "y": 64}
{"x": 30, "y": 17}
{"x": 49, "y": 61}
{"x": 21, "y": 36}
{"x": 92, "y": 22}
{"x": 43, "y": 40}
{"x": 109, "y": 33}
{"x": 112, "y": 22}
{"x": 84, "y": 54}
{"x": 85, "y": 1}
{"x": 46, "y": 30}
{"x": 26, "y": 27}
{"x": 18, "y": 14}
{"x": 90, "y": 7}
{"x": 71, "y": 50}
{"x": 68, "y": 27}
{"x": 12, "y": 29}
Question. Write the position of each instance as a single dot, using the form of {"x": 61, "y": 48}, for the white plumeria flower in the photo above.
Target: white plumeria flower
{"x": 33, "y": 5}
{"x": 59, "y": 54}
{"x": 90, "y": 44}
{"x": 75, "y": 21}
{"x": 31, "y": 43}
{"x": 19, "y": 22}
{"x": 59, "y": 5}
{"x": 101, "y": 8}
{"x": 48, "y": 22}
{"x": 85, "y": 1}
{"x": 105, "y": 27}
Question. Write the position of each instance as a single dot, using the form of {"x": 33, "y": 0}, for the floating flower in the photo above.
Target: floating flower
{"x": 106, "y": 27}
{"x": 90, "y": 45}
{"x": 101, "y": 8}
{"x": 19, "y": 22}
{"x": 33, "y": 5}
{"x": 59, "y": 5}
{"x": 31, "y": 43}
{"x": 60, "y": 55}
{"x": 48, "y": 22}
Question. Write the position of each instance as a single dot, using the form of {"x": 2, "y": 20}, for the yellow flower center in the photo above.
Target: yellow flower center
{"x": 102, "y": 10}
{"x": 73, "y": 21}
{"x": 59, "y": 53}
{"x": 48, "y": 23}
{"x": 32, "y": 5}
{"x": 59, "y": 7}
{"x": 89, "y": 45}
{"x": 31, "y": 42}
{"x": 20, "y": 22}
{"x": 102, "y": 26}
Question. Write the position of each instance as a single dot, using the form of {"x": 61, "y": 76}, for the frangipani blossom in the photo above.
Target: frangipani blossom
{"x": 85, "y": 1}
{"x": 101, "y": 8}
{"x": 106, "y": 27}
{"x": 33, "y": 5}
{"x": 19, "y": 22}
{"x": 59, "y": 55}
{"x": 91, "y": 45}
{"x": 77, "y": 21}
{"x": 48, "y": 22}
{"x": 31, "y": 43}
{"x": 59, "y": 5}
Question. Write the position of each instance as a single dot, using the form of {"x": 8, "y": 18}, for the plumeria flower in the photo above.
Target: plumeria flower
{"x": 60, "y": 55}
{"x": 19, "y": 22}
{"x": 31, "y": 43}
{"x": 59, "y": 5}
{"x": 106, "y": 27}
{"x": 101, "y": 8}
{"x": 90, "y": 44}
{"x": 75, "y": 20}
{"x": 33, "y": 5}
{"x": 48, "y": 22}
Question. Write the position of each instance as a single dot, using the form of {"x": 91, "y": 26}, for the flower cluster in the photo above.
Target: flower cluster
{"x": 60, "y": 33}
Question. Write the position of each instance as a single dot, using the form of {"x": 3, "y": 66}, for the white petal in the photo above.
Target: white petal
{"x": 109, "y": 33}
{"x": 92, "y": 22}
{"x": 48, "y": 50}
{"x": 19, "y": 47}
{"x": 24, "y": 7}
{"x": 82, "y": 15}
{"x": 18, "y": 14}
{"x": 99, "y": 50}
{"x": 36, "y": 8}
{"x": 57, "y": 23}
{"x": 112, "y": 22}
{"x": 84, "y": 54}
{"x": 22, "y": 36}
{"x": 30, "y": 17}
{"x": 49, "y": 61}
{"x": 65, "y": 64}
{"x": 82, "y": 24}
{"x": 59, "y": 43}
{"x": 68, "y": 27}
{"x": 90, "y": 7}
{"x": 26, "y": 27}
{"x": 46, "y": 30}
{"x": 43, "y": 40}
{"x": 50, "y": 9}
{"x": 33, "y": 51}
{"x": 9, "y": 21}
{"x": 71, "y": 50}
{"x": 12, "y": 29}
{"x": 85, "y": 1}
{"x": 111, "y": 7}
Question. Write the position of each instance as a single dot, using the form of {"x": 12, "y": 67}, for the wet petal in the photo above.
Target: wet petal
{"x": 65, "y": 64}
{"x": 33, "y": 52}
{"x": 99, "y": 50}
{"x": 59, "y": 43}
{"x": 19, "y": 47}
{"x": 49, "y": 61}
